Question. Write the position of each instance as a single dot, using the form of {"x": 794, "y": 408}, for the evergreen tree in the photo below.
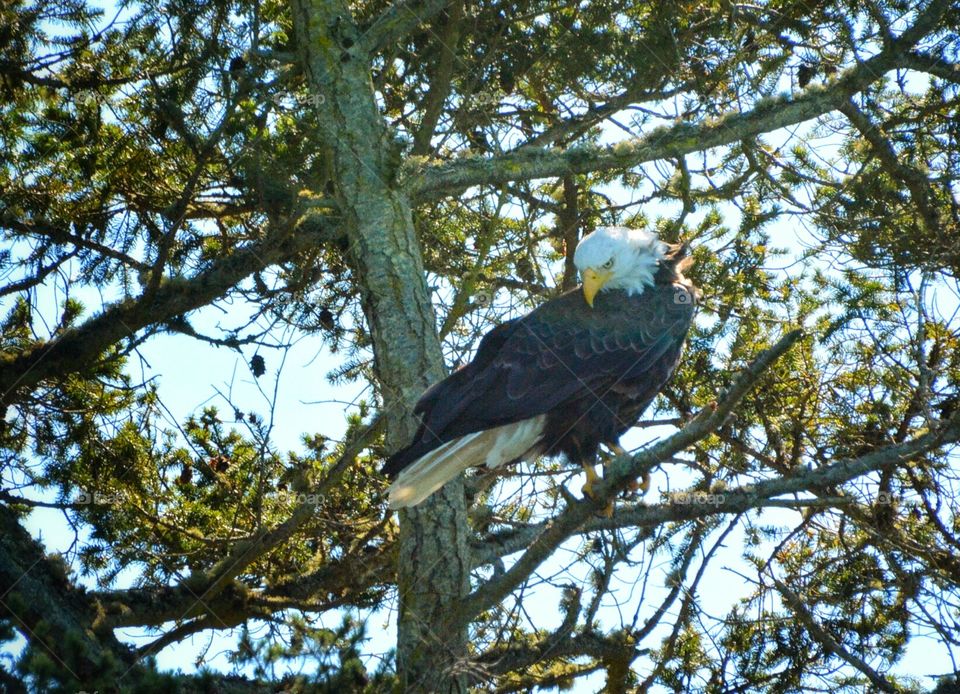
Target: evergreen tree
{"x": 390, "y": 181}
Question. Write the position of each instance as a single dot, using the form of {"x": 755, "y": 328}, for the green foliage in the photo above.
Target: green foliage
{"x": 334, "y": 657}
{"x": 154, "y": 149}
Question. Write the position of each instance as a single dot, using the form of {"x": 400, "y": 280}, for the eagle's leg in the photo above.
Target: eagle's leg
{"x": 617, "y": 449}
{"x": 592, "y": 479}
{"x": 587, "y": 489}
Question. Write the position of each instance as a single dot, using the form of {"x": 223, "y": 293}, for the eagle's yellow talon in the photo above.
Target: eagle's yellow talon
{"x": 618, "y": 450}
{"x": 592, "y": 479}
{"x": 587, "y": 489}
{"x": 641, "y": 485}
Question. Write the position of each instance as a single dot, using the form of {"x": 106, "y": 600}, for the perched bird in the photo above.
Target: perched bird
{"x": 574, "y": 373}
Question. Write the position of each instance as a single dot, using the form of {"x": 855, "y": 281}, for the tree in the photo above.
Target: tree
{"x": 393, "y": 180}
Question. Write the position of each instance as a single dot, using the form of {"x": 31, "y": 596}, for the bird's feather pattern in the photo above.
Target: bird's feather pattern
{"x": 594, "y": 370}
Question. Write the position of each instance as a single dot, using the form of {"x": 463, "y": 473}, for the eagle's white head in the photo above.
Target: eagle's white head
{"x": 618, "y": 258}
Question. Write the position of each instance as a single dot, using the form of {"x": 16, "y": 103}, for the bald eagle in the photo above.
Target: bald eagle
{"x": 574, "y": 373}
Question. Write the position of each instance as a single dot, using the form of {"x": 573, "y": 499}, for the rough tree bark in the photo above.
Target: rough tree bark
{"x": 383, "y": 249}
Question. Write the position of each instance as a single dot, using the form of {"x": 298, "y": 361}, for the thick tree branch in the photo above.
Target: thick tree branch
{"x": 75, "y": 628}
{"x": 399, "y": 20}
{"x": 427, "y": 181}
{"x": 601, "y": 647}
{"x": 568, "y": 228}
{"x": 385, "y": 256}
{"x": 37, "y": 597}
{"x": 346, "y": 581}
{"x": 436, "y": 96}
{"x": 935, "y": 65}
{"x": 80, "y": 346}
{"x": 221, "y": 615}
{"x": 738, "y": 500}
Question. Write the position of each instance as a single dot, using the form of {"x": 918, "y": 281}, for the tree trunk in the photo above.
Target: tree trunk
{"x": 434, "y": 565}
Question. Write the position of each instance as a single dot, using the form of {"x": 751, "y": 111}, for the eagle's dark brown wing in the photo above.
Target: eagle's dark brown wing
{"x": 559, "y": 356}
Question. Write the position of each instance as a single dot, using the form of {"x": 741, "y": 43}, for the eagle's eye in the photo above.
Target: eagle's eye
{"x": 607, "y": 265}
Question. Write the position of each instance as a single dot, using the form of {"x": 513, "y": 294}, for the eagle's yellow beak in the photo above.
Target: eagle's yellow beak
{"x": 592, "y": 283}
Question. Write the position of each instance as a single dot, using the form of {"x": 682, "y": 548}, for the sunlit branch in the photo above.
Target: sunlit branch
{"x": 428, "y": 181}
{"x": 85, "y": 343}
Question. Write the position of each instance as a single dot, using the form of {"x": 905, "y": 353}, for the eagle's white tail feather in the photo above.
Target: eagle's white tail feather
{"x": 492, "y": 448}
